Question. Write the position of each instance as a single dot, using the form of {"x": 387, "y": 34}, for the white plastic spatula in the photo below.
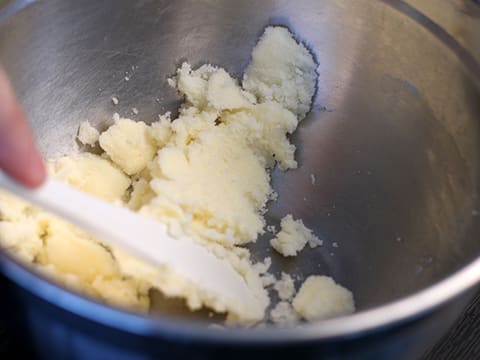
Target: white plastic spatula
{"x": 142, "y": 236}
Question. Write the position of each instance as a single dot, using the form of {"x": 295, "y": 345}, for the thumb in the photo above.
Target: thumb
{"x": 19, "y": 156}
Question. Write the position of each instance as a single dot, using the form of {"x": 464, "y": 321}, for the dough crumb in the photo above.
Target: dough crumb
{"x": 172, "y": 82}
{"x": 87, "y": 134}
{"x": 283, "y": 314}
{"x": 314, "y": 242}
{"x": 262, "y": 267}
{"x": 293, "y": 237}
{"x": 114, "y": 100}
{"x": 313, "y": 179}
{"x": 320, "y": 297}
{"x": 273, "y": 196}
{"x": 268, "y": 279}
{"x": 285, "y": 287}
{"x": 271, "y": 229}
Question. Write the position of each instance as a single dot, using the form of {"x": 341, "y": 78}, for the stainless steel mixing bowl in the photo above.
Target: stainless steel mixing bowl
{"x": 392, "y": 139}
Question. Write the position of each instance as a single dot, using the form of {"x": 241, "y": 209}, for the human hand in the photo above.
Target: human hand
{"x": 19, "y": 156}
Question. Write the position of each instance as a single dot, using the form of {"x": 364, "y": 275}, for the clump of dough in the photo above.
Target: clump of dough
{"x": 92, "y": 174}
{"x": 87, "y": 134}
{"x": 283, "y": 314}
{"x": 282, "y": 70}
{"x": 205, "y": 179}
{"x": 285, "y": 287}
{"x": 129, "y": 144}
{"x": 320, "y": 297}
{"x": 265, "y": 128}
{"x": 223, "y": 92}
{"x": 193, "y": 83}
{"x": 21, "y": 237}
{"x": 293, "y": 237}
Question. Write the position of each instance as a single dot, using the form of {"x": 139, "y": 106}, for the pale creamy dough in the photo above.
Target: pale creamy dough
{"x": 129, "y": 144}
{"x": 285, "y": 287}
{"x": 293, "y": 237}
{"x": 283, "y": 314}
{"x": 73, "y": 257}
{"x": 320, "y": 297}
{"x": 92, "y": 174}
{"x": 205, "y": 174}
{"x": 282, "y": 70}
{"x": 87, "y": 134}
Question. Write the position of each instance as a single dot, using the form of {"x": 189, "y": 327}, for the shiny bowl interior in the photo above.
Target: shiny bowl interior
{"x": 392, "y": 137}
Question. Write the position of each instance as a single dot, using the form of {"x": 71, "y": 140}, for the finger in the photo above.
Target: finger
{"x": 19, "y": 156}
